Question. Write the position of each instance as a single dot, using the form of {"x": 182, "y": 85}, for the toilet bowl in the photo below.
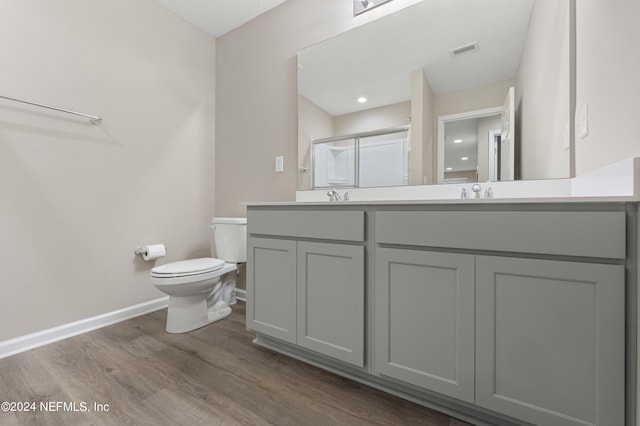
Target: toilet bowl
{"x": 201, "y": 290}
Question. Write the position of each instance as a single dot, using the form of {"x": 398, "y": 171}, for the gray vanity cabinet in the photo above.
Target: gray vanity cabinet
{"x": 525, "y": 335}
{"x": 271, "y": 282}
{"x": 550, "y": 340}
{"x": 425, "y": 320}
{"x": 331, "y": 300}
{"x": 508, "y": 314}
{"x": 306, "y": 286}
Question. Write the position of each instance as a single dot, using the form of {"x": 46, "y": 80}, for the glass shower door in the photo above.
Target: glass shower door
{"x": 384, "y": 160}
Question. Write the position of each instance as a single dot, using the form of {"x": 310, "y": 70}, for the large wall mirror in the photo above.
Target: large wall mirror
{"x": 445, "y": 70}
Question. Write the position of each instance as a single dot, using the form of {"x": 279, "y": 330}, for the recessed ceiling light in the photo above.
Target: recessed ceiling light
{"x": 464, "y": 158}
{"x": 458, "y": 141}
{"x": 449, "y": 169}
{"x": 362, "y": 99}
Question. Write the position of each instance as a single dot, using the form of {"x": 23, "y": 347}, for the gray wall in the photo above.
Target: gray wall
{"x": 76, "y": 198}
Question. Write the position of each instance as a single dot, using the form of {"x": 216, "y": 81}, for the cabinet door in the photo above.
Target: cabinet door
{"x": 331, "y": 300}
{"x": 271, "y": 287}
{"x": 550, "y": 340}
{"x": 424, "y": 321}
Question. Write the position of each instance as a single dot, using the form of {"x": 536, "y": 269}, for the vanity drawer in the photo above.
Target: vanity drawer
{"x": 326, "y": 225}
{"x": 585, "y": 234}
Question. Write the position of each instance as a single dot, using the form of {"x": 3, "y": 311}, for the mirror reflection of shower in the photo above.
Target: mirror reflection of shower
{"x": 334, "y": 163}
{"x": 363, "y": 160}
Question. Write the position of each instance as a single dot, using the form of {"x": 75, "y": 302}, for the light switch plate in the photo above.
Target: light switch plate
{"x": 279, "y": 164}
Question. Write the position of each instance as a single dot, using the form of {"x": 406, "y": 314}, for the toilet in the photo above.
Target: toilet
{"x": 201, "y": 290}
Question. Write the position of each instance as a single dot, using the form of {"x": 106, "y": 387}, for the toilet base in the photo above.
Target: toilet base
{"x": 187, "y": 313}
{"x": 218, "y": 315}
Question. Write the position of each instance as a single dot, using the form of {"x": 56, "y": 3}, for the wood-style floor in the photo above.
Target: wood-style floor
{"x": 211, "y": 376}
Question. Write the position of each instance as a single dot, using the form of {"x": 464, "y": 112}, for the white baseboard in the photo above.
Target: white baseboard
{"x": 241, "y": 294}
{"x": 44, "y": 337}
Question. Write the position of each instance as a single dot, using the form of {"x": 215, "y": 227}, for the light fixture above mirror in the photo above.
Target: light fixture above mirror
{"x": 360, "y": 6}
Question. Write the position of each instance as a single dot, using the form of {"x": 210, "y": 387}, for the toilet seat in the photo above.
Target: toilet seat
{"x": 190, "y": 282}
{"x": 186, "y": 268}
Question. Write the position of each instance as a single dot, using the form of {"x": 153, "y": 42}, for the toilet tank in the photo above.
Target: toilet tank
{"x": 229, "y": 239}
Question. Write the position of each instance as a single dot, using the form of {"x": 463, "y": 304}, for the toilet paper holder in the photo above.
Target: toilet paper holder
{"x": 151, "y": 252}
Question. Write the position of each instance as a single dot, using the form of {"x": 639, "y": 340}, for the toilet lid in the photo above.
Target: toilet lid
{"x": 188, "y": 267}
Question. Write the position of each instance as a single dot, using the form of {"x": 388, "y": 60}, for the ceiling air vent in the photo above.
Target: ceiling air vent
{"x": 467, "y": 48}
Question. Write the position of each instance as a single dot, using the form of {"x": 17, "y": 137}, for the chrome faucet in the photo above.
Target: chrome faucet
{"x": 476, "y": 191}
{"x": 488, "y": 193}
{"x": 333, "y": 195}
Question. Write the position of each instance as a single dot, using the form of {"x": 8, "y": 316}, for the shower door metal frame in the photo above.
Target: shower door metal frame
{"x": 356, "y": 137}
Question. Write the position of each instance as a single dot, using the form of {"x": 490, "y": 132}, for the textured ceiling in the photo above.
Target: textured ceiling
{"x": 217, "y": 17}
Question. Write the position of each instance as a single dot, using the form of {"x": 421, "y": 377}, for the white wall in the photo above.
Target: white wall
{"x": 76, "y": 198}
{"x": 608, "y": 66}
{"x": 542, "y": 93}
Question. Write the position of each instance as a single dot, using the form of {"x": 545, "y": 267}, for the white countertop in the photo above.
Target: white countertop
{"x": 554, "y": 200}
{"x": 616, "y": 183}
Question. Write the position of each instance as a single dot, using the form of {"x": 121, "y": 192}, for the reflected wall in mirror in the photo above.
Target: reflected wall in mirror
{"x": 403, "y": 65}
